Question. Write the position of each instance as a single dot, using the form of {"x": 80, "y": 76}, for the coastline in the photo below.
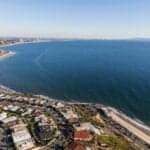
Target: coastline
{"x": 20, "y": 43}
{"x": 56, "y": 109}
{"x": 139, "y": 130}
{"x": 131, "y": 124}
{"x": 108, "y": 110}
{"x": 9, "y": 54}
{"x": 134, "y": 121}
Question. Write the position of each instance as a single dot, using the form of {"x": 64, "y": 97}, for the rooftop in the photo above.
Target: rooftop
{"x": 82, "y": 136}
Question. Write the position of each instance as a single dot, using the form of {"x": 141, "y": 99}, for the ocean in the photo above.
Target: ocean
{"x": 111, "y": 72}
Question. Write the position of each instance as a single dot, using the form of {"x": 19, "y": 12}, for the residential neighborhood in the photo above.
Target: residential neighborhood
{"x": 29, "y": 122}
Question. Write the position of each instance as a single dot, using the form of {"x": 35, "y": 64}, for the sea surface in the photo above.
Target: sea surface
{"x": 115, "y": 73}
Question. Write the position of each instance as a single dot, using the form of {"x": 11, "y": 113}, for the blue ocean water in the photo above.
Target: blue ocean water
{"x": 116, "y": 73}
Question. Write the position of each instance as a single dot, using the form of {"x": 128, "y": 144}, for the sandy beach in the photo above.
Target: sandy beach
{"x": 6, "y": 55}
{"x": 134, "y": 127}
{"x": 19, "y": 43}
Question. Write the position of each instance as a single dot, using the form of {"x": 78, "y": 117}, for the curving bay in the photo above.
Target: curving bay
{"x": 115, "y": 73}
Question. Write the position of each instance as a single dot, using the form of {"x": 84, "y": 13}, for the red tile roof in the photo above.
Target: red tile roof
{"x": 77, "y": 146}
{"x": 82, "y": 136}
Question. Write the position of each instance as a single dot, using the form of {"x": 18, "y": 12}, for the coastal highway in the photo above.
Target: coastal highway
{"x": 137, "y": 131}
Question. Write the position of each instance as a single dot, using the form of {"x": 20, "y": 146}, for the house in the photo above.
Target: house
{"x": 88, "y": 127}
{"x": 82, "y": 136}
{"x": 70, "y": 116}
{"x": 37, "y": 113}
{"x": 21, "y": 137}
{"x": 9, "y": 119}
{"x": 28, "y": 112}
{"x": 1, "y": 95}
{"x": 11, "y": 108}
{"x": 3, "y": 115}
{"x": 59, "y": 105}
{"x": 77, "y": 146}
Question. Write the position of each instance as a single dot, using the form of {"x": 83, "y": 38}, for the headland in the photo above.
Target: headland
{"x": 11, "y": 42}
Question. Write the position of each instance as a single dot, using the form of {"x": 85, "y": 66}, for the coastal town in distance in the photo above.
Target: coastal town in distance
{"x": 37, "y": 122}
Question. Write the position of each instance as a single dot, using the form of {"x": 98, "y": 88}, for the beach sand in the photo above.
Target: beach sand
{"x": 131, "y": 126}
{"x": 6, "y": 55}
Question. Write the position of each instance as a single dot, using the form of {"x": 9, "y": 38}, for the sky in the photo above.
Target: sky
{"x": 75, "y": 18}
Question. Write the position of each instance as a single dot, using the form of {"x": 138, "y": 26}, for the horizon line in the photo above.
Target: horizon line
{"x": 78, "y": 38}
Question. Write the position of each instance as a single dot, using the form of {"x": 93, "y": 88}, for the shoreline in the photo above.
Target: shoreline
{"x": 134, "y": 121}
{"x": 9, "y": 54}
{"x": 56, "y": 109}
{"x": 20, "y": 43}
{"x": 138, "y": 128}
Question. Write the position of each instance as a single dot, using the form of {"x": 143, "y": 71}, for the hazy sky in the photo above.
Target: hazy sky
{"x": 75, "y": 18}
